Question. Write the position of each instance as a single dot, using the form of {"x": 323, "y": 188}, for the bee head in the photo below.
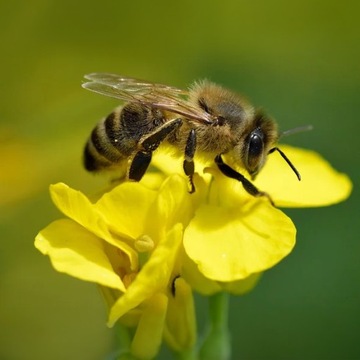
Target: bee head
{"x": 258, "y": 142}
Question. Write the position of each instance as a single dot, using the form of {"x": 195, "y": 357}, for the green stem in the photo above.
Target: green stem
{"x": 123, "y": 342}
{"x": 219, "y": 310}
{"x": 186, "y": 355}
{"x": 217, "y": 343}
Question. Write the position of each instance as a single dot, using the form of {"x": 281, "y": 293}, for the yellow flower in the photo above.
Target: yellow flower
{"x": 129, "y": 243}
{"x": 320, "y": 184}
{"x": 233, "y": 236}
{"x": 149, "y": 244}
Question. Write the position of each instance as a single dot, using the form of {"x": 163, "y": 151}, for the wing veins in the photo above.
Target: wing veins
{"x": 156, "y": 95}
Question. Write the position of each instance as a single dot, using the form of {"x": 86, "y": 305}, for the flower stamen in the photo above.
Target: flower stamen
{"x": 128, "y": 279}
{"x": 144, "y": 243}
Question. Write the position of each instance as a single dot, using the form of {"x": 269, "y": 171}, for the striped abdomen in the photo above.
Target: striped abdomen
{"x": 115, "y": 138}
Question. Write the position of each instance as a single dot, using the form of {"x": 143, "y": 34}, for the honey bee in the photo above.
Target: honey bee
{"x": 207, "y": 120}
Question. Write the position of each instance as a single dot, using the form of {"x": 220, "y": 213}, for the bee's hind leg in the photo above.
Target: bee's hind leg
{"x": 188, "y": 165}
{"x": 141, "y": 159}
{"x": 138, "y": 165}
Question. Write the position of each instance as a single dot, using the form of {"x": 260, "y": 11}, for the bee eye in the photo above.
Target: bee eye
{"x": 256, "y": 145}
{"x": 255, "y": 152}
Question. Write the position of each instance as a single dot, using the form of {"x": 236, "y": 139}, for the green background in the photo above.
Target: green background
{"x": 297, "y": 59}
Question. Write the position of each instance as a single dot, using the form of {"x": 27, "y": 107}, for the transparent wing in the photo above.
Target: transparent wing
{"x": 156, "y": 95}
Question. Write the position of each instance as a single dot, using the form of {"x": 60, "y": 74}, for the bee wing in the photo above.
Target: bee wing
{"x": 156, "y": 95}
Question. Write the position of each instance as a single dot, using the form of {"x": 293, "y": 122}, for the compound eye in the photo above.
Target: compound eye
{"x": 256, "y": 145}
{"x": 255, "y": 153}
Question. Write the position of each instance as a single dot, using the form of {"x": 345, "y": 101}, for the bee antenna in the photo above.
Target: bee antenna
{"x": 287, "y": 161}
{"x": 296, "y": 130}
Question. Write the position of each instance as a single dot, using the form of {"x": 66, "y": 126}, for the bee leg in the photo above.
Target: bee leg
{"x": 188, "y": 165}
{"x": 139, "y": 164}
{"x": 248, "y": 186}
{"x": 147, "y": 144}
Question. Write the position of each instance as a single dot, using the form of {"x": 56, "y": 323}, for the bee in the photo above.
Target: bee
{"x": 207, "y": 119}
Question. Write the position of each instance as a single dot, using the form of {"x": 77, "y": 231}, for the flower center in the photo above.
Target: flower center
{"x": 144, "y": 243}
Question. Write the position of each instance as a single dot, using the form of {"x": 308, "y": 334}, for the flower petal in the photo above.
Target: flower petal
{"x": 152, "y": 180}
{"x": 230, "y": 244}
{"x": 320, "y": 184}
{"x": 78, "y": 207}
{"x": 148, "y": 336}
{"x": 170, "y": 162}
{"x": 180, "y": 329}
{"x": 173, "y": 205}
{"x": 166, "y": 162}
{"x": 77, "y": 252}
{"x": 125, "y": 208}
{"x": 153, "y": 277}
{"x": 190, "y": 272}
{"x": 241, "y": 287}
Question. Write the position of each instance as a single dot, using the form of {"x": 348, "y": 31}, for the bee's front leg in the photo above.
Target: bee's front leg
{"x": 248, "y": 185}
{"x": 141, "y": 159}
{"x": 188, "y": 165}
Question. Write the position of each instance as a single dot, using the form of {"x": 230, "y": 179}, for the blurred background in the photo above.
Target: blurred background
{"x": 299, "y": 60}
